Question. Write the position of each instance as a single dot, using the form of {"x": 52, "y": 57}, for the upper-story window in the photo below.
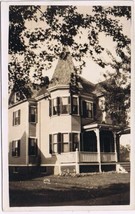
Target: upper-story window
{"x": 75, "y": 105}
{"x": 87, "y": 108}
{"x": 33, "y": 147}
{"x": 16, "y": 148}
{"x": 32, "y": 114}
{"x": 16, "y": 117}
{"x": 64, "y": 105}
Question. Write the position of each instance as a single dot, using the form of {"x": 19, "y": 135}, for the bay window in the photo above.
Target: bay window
{"x": 64, "y": 105}
{"x": 63, "y": 142}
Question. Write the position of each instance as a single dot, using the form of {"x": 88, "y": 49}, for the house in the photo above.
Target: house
{"x": 63, "y": 128}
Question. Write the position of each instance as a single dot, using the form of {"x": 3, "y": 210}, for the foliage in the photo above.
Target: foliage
{"x": 32, "y": 52}
{"x": 124, "y": 152}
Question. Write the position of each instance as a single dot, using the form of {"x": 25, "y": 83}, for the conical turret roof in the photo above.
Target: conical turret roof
{"x": 63, "y": 69}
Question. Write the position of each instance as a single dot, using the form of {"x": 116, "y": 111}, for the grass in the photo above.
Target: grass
{"x": 92, "y": 189}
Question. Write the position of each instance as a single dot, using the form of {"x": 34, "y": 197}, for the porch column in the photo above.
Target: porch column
{"x": 98, "y": 147}
{"x": 118, "y": 146}
{"x": 77, "y": 161}
{"x": 115, "y": 147}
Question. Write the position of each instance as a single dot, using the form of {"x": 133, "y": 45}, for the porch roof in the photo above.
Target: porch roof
{"x": 101, "y": 126}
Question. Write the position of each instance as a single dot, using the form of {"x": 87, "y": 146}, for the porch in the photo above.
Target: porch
{"x": 87, "y": 157}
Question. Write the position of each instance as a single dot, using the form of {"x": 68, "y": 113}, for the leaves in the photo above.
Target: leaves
{"x": 33, "y": 50}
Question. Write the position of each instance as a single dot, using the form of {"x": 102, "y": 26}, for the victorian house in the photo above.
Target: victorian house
{"x": 62, "y": 128}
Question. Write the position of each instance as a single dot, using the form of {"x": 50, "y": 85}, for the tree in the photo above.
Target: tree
{"x": 64, "y": 26}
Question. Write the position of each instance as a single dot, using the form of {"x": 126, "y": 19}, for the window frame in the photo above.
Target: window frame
{"x": 30, "y": 147}
{"x": 17, "y": 117}
{"x": 16, "y": 148}
{"x": 30, "y": 115}
{"x": 68, "y": 105}
{"x": 76, "y": 106}
{"x": 87, "y": 110}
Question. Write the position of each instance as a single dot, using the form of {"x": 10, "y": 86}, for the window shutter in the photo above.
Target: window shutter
{"x": 70, "y": 142}
{"x": 36, "y": 147}
{"x": 50, "y": 108}
{"x": 18, "y": 147}
{"x": 84, "y": 110}
{"x": 13, "y": 118}
{"x": 79, "y": 105}
{"x": 94, "y": 110}
{"x": 50, "y": 143}
{"x": 58, "y": 105}
{"x": 29, "y": 146}
{"x": 19, "y": 116}
{"x": 29, "y": 113}
{"x": 36, "y": 116}
{"x": 59, "y": 136}
{"x": 71, "y": 104}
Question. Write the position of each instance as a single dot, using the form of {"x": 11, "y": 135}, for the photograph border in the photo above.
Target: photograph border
{"x": 4, "y": 80}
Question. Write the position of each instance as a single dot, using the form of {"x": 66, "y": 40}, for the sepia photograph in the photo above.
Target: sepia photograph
{"x": 69, "y": 104}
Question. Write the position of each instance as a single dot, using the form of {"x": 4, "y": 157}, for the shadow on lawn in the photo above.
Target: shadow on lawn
{"x": 116, "y": 194}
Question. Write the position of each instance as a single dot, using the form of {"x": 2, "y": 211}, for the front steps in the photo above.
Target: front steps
{"x": 123, "y": 167}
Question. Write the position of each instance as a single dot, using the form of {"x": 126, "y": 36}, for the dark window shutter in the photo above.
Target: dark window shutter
{"x": 36, "y": 116}
{"x": 84, "y": 110}
{"x": 94, "y": 110}
{"x": 19, "y": 116}
{"x": 13, "y": 118}
{"x": 29, "y": 146}
{"x": 58, "y": 105}
{"x": 50, "y": 108}
{"x": 36, "y": 148}
{"x": 50, "y": 143}
{"x": 19, "y": 148}
{"x": 71, "y": 104}
{"x": 59, "y": 142}
{"x": 70, "y": 142}
{"x": 29, "y": 113}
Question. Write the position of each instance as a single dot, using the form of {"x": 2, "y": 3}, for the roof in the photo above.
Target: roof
{"x": 63, "y": 70}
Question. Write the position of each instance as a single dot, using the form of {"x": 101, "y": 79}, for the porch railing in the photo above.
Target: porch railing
{"x": 69, "y": 157}
{"x": 88, "y": 157}
{"x": 108, "y": 157}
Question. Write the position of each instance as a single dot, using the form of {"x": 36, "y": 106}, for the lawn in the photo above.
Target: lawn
{"x": 89, "y": 189}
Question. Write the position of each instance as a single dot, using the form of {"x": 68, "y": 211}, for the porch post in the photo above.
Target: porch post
{"x": 98, "y": 147}
{"x": 77, "y": 161}
{"x": 115, "y": 147}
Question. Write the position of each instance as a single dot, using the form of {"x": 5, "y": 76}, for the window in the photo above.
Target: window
{"x": 55, "y": 106}
{"x": 65, "y": 105}
{"x": 16, "y": 117}
{"x": 87, "y": 109}
{"x": 65, "y": 142}
{"x": 75, "y": 141}
{"x": 16, "y": 148}
{"x": 75, "y": 106}
{"x": 55, "y": 143}
{"x": 32, "y": 147}
{"x": 33, "y": 114}
{"x": 62, "y": 105}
